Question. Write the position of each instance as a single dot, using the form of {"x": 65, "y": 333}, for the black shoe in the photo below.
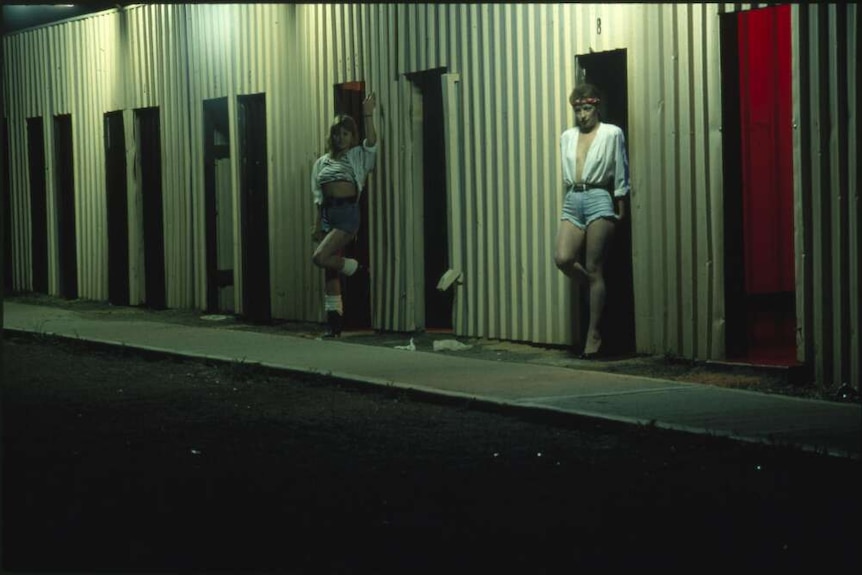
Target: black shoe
{"x": 334, "y": 319}
{"x": 598, "y": 353}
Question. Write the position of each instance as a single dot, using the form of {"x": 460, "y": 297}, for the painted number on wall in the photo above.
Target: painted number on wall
{"x": 598, "y": 25}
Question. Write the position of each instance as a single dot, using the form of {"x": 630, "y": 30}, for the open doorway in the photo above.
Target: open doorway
{"x": 38, "y": 206}
{"x": 609, "y": 72}
{"x": 65, "y": 192}
{"x": 218, "y": 206}
{"x": 356, "y": 289}
{"x": 117, "y": 205}
{"x": 435, "y": 212}
{"x": 254, "y": 207}
{"x": 148, "y": 143}
{"x": 760, "y": 292}
{"x": 7, "y": 214}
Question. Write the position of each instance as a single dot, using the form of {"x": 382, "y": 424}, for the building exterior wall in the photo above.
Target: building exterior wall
{"x": 828, "y": 216}
{"x": 509, "y": 69}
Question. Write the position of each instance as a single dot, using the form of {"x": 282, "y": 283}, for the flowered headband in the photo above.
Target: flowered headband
{"x": 582, "y": 101}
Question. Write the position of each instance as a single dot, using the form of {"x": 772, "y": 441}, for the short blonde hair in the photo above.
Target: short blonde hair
{"x": 338, "y": 122}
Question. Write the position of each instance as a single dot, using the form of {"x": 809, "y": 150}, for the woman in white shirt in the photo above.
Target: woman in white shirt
{"x": 596, "y": 180}
{"x": 337, "y": 181}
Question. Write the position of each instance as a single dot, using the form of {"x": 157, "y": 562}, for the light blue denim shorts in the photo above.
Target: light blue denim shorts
{"x": 344, "y": 217}
{"x": 582, "y": 208}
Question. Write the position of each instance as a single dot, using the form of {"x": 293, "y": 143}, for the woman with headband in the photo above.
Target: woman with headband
{"x": 596, "y": 183}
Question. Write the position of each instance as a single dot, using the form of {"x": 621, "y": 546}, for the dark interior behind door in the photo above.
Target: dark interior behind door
{"x": 38, "y": 206}
{"x": 254, "y": 207}
{"x": 117, "y": 209}
{"x": 7, "y": 213}
{"x": 65, "y": 186}
{"x": 609, "y": 72}
{"x": 150, "y": 154}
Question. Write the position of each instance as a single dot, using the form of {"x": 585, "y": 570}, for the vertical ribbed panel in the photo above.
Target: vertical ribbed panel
{"x": 20, "y": 101}
{"x": 826, "y": 189}
{"x": 148, "y": 47}
{"x": 510, "y": 70}
{"x": 675, "y": 157}
{"x": 65, "y": 69}
{"x": 236, "y": 50}
{"x": 211, "y": 43}
{"x": 854, "y": 201}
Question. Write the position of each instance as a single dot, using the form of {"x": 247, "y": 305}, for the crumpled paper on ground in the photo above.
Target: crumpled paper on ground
{"x": 409, "y": 347}
{"x": 450, "y": 345}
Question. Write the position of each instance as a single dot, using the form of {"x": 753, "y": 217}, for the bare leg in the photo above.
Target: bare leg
{"x": 328, "y": 252}
{"x": 599, "y": 235}
{"x": 570, "y": 244}
{"x": 328, "y": 256}
{"x": 332, "y": 286}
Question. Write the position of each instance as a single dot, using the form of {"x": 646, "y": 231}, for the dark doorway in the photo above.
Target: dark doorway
{"x": 38, "y": 206}
{"x": 254, "y": 207}
{"x": 609, "y": 72}
{"x": 218, "y": 205}
{"x": 438, "y": 304}
{"x": 117, "y": 204}
{"x": 148, "y": 142}
{"x": 760, "y": 291}
{"x": 7, "y": 213}
{"x": 65, "y": 185}
{"x": 356, "y": 290}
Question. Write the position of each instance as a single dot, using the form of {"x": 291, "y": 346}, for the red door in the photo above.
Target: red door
{"x": 767, "y": 182}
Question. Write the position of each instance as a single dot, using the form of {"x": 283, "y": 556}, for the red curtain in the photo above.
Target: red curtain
{"x": 767, "y": 155}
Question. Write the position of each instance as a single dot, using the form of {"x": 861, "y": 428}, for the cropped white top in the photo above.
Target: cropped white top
{"x": 353, "y": 166}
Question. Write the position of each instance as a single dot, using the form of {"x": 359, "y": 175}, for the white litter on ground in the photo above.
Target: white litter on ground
{"x": 450, "y": 345}
{"x": 409, "y": 347}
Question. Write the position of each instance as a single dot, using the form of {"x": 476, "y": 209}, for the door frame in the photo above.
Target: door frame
{"x": 620, "y": 338}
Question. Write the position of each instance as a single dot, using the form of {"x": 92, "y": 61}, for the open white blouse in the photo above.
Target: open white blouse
{"x": 606, "y": 161}
{"x": 361, "y": 159}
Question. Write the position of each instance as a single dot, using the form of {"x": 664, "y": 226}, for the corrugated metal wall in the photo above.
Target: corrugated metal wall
{"x": 69, "y": 69}
{"x": 156, "y": 75}
{"x": 510, "y": 69}
{"x": 516, "y": 68}
{"x": 237, "y": 50}
{"x": 85, "y": 68}
{"x": 675, "y": 147}
{"x": 828, "y": 216}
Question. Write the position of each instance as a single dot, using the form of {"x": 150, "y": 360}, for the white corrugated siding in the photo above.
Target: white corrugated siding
{"x": 676, "y": 161}
{"x": 68, "y": 69}
{"x": 237, "y": 50}
{"x": 828, "y": 216}
{"x": 512, "y": 67}
{"x": 516, "y": 68}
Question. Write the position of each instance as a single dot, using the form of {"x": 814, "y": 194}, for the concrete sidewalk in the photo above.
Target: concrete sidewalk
{"x": 823, "y": 426}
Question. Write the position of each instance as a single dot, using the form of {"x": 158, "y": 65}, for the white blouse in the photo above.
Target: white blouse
{"x": 361, "y": 160}
{"x": 606, "y": 160}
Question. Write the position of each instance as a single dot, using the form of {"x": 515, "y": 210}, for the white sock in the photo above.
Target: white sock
{"x": 333, "y": 303}
{"x": 350, "y": 266}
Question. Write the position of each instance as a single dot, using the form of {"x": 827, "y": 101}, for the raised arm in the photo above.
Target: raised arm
{"x": 368, "y": 112}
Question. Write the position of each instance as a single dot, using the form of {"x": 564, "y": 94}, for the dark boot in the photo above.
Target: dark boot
{"x": 334, "y": 322}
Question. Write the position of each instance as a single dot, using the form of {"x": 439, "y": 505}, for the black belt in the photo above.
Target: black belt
{"x": 585, "y": 187}
{"x": 330, "y": 202}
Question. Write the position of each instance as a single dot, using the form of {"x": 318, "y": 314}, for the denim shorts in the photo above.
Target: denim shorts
{"x": 582, "y": 208}
{"x": 344, "y": 217}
